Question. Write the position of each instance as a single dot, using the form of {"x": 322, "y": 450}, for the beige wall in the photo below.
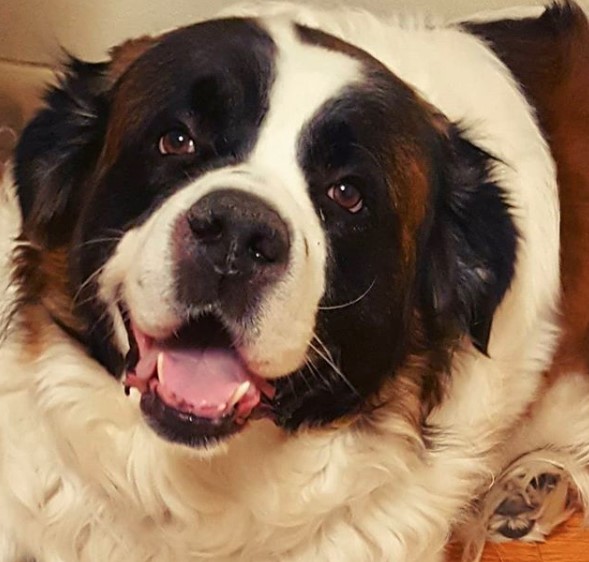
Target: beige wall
{"x": 32, "y": 30}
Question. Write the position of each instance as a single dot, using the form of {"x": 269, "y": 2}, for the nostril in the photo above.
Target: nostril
{"x": 206, "y": 228}
{"x": 260, "y": 250}
{"x": 267, "y": 248}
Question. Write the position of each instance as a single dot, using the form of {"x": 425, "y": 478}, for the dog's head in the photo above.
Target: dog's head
{"x": 244, "y": 219}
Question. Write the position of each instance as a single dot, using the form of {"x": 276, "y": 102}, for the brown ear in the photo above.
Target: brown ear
{"x": 124, "y": 55}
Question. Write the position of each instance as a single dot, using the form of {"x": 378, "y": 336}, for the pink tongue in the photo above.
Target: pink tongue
{"x": 204, "y": 382}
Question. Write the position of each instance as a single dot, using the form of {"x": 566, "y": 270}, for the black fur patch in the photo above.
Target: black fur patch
{"x": 57, "y": 151}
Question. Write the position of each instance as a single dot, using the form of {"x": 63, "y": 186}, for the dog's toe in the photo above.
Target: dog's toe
{"x": 531, "y": 497}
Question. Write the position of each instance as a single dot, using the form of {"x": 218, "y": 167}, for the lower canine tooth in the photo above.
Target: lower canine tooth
{"x": 160, "y": 367}
{"x": 238, "y": 394}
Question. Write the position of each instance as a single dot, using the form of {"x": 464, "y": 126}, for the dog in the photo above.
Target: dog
{"x": 299, "y": 285}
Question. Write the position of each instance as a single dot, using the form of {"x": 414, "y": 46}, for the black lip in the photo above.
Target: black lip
{"x": 132, "y": 357}
{"x": 185, "y": 428}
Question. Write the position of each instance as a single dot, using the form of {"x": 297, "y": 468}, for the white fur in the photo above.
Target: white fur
{"x": 83, "y": 479}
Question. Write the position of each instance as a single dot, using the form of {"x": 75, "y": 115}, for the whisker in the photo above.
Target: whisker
{"x": 88, "y": 280}
{"x": 98, "y": 320}
{"x": 109, "y": 235}
{"x": 329, "y": 360}
{"x": 323, "y": 346}
{"x": 315, "y": 371}
{"x": 97, "y": 241}
{"x": 305, "y": 379}
{"x": 87, "y": 300}
{"x": 292, "y": 385}
{"x": 350, "y": 303}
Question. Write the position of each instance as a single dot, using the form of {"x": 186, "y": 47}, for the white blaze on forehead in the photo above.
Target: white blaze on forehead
{"x": 306, "y": 77}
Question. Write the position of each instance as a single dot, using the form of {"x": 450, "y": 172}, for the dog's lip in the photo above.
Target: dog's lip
{"x": 205, "y": 383}
{"x": 184, "y": 428}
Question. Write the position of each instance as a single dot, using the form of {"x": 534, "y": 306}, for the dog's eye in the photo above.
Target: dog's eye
{"x": 346, "y": 196}
{"x": 176, "y": 142}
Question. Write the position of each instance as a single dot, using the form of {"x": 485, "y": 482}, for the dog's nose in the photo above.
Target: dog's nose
{"x": 229, "y": 247}
{"x": 239, "y": 233}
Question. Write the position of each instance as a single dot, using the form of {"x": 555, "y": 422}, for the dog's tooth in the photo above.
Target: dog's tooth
{"x": 238, "y": 394}
{"x": 160, "y": 367}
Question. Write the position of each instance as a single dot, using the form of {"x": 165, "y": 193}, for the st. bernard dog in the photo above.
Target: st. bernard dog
{"x": 299, "y": 285}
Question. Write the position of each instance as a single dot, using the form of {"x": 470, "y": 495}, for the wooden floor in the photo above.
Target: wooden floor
{"x": 568, "y": 543}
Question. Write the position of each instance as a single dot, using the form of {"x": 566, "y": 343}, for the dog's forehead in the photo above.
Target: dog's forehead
{"x": 272, "y": 57}
{"x": 165, "y": 69}
{"x": 307, "y": 77}
{"x": 208, "y": 44}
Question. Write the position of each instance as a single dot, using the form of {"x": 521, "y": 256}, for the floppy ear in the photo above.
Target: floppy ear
{"x": 56, "y": 147}
{"x": 469, "y": 258}
{"x": 63, "y": 141}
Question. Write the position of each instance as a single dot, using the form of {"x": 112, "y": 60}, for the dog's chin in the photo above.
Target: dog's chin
{"x": 206, "y": 438}
{"x": 195, "y": 388}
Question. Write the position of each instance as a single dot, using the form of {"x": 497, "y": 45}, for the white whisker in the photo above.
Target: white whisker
{"x": 327, "y": 357}
{"x": 352, "y": 302}
{"x": 87, "y": 282}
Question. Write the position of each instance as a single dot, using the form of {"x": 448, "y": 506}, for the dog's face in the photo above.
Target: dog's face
{"x": 259, "y": 220}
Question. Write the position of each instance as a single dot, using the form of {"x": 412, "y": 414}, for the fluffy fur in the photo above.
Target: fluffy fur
{"x": 83, "y": 477}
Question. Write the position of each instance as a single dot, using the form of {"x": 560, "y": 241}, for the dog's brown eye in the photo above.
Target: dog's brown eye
{"x": 176, "y": 142}
{"x": 346, "y": 196}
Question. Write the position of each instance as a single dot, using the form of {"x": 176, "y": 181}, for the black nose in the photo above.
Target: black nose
{"x": 234, "y": 245}
{"x": 238, "y": 232}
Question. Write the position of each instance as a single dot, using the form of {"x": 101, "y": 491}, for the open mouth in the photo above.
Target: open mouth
{"x": 195, "y": 389}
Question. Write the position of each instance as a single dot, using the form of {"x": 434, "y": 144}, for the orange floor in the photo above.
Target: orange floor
{"x": 568, "y": 543}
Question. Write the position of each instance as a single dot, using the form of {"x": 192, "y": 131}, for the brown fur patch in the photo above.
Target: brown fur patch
{"x": 411, "y": 171}
{"x": 319, "y": 38}
{"x": 549, "y": 56}
{"x": 127, "y": 108}
{"x": 43, "y": 281}
{"x": 124, "y": 55}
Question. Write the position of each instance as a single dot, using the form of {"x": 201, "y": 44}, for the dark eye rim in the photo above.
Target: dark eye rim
{"x": 358, "y": 206}
{"x": 181, "y": 131}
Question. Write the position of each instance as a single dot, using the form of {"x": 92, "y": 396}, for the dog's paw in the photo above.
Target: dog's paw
{"x": 531, "y": 497}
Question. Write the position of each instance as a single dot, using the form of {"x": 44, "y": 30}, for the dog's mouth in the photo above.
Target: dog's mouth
{"x": 195, "y": 388}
